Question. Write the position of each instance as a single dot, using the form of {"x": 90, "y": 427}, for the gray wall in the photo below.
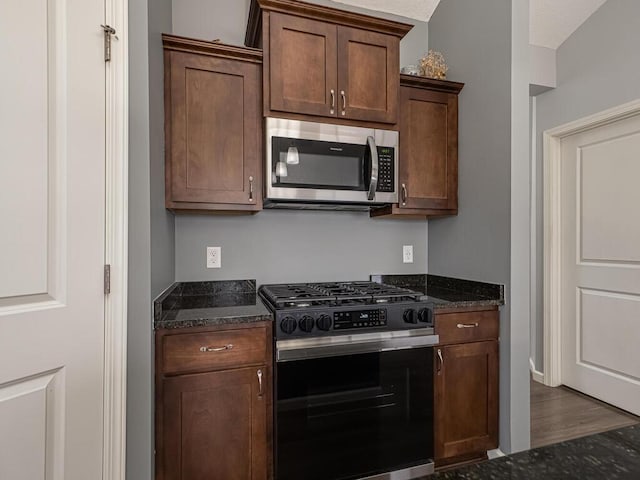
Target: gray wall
{"x": 295, "y": 246}
{"x": 598, "y": 68}
{"x": 139, "y": 377}
{"x": 227, "y": 20}
{"x": 516, "y": 385}
{"x": 475, "y": 38}
{"x": 151, "y": 228}
{"x": 162, "y": 221}
{"x": 277, "y": 246}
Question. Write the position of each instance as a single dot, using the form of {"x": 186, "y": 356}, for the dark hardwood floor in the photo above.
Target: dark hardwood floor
{"x": 559, "y": 414}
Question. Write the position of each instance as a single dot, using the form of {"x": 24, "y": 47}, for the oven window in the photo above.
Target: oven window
{"x": 316, "y": 164}
{"x": 352, "y": 416}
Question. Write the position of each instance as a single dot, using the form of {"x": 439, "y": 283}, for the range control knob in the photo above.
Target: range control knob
{"x": 288, "y": 325}
{"x": 324, "y": 322}
{"x": 426, "y": 316}
{"x": 410, "y": 316}
{"x": 306, "y": 323}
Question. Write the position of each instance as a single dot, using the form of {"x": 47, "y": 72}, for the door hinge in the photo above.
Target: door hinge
{"x": 109, "y": 31}
{"x": 107, "y": 279}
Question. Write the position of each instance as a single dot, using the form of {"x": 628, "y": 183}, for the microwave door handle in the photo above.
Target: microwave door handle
{"x": 373, "y": 182}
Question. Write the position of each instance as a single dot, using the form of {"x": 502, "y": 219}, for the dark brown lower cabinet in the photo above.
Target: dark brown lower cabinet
{"x": 214, "y": 410}
{"x": 215, "y": 426}
{"x": 466, "y": 400}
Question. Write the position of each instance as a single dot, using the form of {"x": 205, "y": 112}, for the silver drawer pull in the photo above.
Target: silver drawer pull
{"x": 333, "y": 100}
{"x": 468, "y": 325}
{"x": 251, "y": 188}
{"x": 344, "y": 102}
{"x": 260, "y": 382}
{"x": 404, "y": 194}
{"x": 441, "y": 363}
{"x": 216, "y": 349}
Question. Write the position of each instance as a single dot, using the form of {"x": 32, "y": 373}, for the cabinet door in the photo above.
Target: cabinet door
{"x": 466, "y": 398}
{"x": 215, "y": 131}
{"x": 302, "y": 65}
{"x": 428, "y": 149}
{"x": 368, "y": 78}
{"x": 215, "y": 426}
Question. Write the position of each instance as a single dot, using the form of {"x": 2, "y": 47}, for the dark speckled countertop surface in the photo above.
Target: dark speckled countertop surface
{"x": 613, "y": 455}
{"x": 202, "y": 304}
{"x": 447, "y": 292}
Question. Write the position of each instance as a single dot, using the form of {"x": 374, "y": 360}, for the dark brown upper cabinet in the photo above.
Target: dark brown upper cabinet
{"x": 303, "y": 73}
{"x": 324, "y": 62}
{"x": 213, "y": 126}
{"x": 428, "y": 165}
{"x": 368, "y": 65}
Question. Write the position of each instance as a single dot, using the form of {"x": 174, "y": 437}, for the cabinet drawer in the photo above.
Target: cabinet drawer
{"x": 214, "y": 350}
{"x": 464, "y": 327}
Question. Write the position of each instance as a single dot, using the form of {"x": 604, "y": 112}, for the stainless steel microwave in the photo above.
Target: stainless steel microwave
{"x": 318, "y": 165}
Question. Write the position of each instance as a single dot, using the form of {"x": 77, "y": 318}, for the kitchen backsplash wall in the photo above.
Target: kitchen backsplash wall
{"x": 279, "y": 246}
{"x": 295, "y": 246}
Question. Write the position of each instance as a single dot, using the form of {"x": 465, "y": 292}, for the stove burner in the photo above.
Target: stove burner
{"x": 303, "y": 295}
{"x": 339, "y": 308}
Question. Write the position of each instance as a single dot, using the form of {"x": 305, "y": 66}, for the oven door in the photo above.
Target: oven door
{"x": 355, "y": 415}
{"x": 314, "y": 162}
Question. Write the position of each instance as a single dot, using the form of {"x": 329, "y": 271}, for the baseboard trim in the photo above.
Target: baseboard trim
{"x": 535, "y": 374}
{"x": 497, "y": 453}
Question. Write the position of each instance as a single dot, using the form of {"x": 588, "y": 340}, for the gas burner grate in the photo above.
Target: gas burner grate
{"x": 301, "y": 295}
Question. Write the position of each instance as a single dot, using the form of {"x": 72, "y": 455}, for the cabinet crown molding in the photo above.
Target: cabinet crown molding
{"x": 214, "y": 49}
{"x": 445, "y": 86}
{"x": 318, "y": 12}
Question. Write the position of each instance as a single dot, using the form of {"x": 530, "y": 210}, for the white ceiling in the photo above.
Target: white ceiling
{"x": 416, "y": 9}
{"x": 551, "y": 22}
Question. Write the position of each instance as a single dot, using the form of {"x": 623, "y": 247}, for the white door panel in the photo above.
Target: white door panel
{"x": 601, "y": 347}
{"x": 608, "y": 190}
{"x": 52, "y": 190}
{"x": 600, "y": 232}
{"x": 32, "y": 422}
{"x": 24, "y": 149}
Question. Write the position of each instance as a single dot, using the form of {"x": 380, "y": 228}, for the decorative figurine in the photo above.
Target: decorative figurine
{"x": 433, "y": 65}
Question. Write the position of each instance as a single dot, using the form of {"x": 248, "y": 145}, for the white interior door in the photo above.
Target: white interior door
{"x": 52, "y": 189}
{"x": 600, "y": 232}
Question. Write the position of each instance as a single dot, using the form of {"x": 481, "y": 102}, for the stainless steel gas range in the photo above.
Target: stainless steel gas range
{"x": 354, "y": 381}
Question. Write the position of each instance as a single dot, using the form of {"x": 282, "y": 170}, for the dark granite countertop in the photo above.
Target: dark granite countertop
{"x": 203, "y": 304}
{"x": 447, "y": 292}
{"x": 613, "y": 455}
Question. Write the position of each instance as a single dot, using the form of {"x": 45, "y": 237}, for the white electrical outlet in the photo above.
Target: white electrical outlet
{"x": 407, "y": 253}
{"x": 214, "y": 257}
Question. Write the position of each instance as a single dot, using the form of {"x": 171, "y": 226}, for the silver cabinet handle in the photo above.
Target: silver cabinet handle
{"x": 333, "y": 100}
{"x": 251, "y": 188}
{"x": 216, "y": 349}
{"x": 344, "y": 102}
{"x": 373, "y": 181}
{"x": 259, "y": 382}
{"x": 404, "y": 194}
{"x": 441, "y": 363}
{"x": 467, "y": 325}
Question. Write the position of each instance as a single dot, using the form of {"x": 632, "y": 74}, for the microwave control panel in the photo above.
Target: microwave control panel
{"x": 386, "y": 174}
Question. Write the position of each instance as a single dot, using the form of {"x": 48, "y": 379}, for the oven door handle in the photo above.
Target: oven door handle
{"x": 373, "y": 159}
{"x": 303, "y": 349}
